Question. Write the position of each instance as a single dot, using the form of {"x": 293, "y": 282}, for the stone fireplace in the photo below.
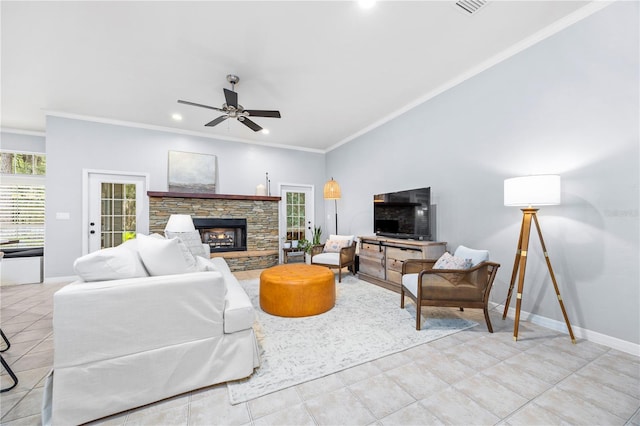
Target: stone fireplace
{"x": 261, "y": 248}
{"x": 222, "y": 235}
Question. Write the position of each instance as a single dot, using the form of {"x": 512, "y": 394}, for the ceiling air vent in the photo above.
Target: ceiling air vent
{"x": 470, "y": 7}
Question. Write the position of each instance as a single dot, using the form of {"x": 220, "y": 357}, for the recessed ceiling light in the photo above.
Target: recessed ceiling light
{"x": 265, "y": 131}
{"x": 366, "y": 4}
{"x": 176, "y": 117}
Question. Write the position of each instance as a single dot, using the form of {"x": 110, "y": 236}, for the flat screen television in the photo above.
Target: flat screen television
{"x": 403, "y": 214}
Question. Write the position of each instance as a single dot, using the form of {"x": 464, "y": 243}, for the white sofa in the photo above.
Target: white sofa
{"x": 123, "y": 343}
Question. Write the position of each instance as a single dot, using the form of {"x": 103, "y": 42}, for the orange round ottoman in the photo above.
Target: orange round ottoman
{"x": 297, "y": 290}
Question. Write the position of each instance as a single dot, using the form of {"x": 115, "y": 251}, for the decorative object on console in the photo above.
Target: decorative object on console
{"x": 454, "y": 287}
{"x": 332, "y": 192}
{"x": 192, "y": 172}
{"x": 538, "y": 190}
{"x": 261, "y": 190}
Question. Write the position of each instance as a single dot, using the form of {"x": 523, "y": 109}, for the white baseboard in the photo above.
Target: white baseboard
{"x": 582, "y": 333}
{"x": 61, "y": 280}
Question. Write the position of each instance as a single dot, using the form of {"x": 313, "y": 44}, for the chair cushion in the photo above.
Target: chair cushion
{"x": 410, "y": 282}
{"x": 334, "y": 246}
{"x": 476, "y": 256}
{"x": 327, "y": 258}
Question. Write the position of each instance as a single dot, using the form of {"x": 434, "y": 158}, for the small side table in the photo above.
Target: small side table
{"x": 293, "y": 252}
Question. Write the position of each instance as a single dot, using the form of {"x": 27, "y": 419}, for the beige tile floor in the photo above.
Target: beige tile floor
{"x": 471, "y": 377}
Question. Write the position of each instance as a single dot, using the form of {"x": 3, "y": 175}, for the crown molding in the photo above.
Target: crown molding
{"x": 539, "y": 36}
{"x": 123, "y": 123}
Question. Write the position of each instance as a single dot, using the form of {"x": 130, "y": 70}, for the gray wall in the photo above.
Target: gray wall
{"x": 74, "y": 145}
{"x": 568, "y": 105}
{"x": 10, "y": 141}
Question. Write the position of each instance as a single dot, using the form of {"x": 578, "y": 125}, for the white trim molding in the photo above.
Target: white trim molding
{"x": 582, "y": 333}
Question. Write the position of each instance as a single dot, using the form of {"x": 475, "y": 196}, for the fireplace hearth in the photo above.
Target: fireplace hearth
{"x": 222, "y": 235}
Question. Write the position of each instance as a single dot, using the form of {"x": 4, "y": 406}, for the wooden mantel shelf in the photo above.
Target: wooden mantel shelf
{"x": 211, "y": 196}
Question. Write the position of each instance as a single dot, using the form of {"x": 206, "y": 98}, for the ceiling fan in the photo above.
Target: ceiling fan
{"x": 232, "y": 109}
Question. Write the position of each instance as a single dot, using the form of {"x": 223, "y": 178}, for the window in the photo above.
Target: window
{"x": 22, "y": 197}
{"x": 22, "y": 163}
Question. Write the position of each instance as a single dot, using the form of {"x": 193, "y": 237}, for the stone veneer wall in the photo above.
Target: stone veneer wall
{"x": 261, "y": 215}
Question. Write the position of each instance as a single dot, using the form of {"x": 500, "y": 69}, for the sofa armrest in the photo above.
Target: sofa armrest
{"x": 109, "y": 319}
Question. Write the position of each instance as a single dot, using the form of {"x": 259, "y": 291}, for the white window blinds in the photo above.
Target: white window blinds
{"x": 22, "y": 214}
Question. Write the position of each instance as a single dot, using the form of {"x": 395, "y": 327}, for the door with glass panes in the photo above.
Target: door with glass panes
{"x": 117, "y": 209}
{"x": 296, "y": 213}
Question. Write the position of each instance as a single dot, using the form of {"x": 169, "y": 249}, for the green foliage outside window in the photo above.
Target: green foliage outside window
{"x": 16, "y": 163}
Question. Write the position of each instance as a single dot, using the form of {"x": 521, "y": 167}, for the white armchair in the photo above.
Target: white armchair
{"x": 339, "y": 251}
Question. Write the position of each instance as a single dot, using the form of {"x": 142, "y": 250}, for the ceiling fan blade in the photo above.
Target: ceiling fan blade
{"x": 217, "y": 121}
{"x": 263, "y": 113}
{"x": 231, "y": 98}
{"x": 250, "y": 124}
{"x": 199, "y": 105}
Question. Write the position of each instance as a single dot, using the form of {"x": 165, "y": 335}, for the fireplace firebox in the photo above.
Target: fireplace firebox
{"x": 222, "y": 235}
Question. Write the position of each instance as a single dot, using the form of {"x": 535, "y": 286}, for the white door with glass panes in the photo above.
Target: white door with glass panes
{"x": 117, "y": 209}
{"x": 296, "y": 213}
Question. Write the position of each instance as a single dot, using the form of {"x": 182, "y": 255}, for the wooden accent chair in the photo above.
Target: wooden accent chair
{"x": 345, "y": 257}
{"x": 463, "y": 288}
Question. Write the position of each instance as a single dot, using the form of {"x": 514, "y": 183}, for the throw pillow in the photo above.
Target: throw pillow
{"x": 113, "y": 263}
{"x": 334, "y": 246}
{"x": 447, "y": 261}
{"x": 204, "y": 265}
{"x": 475, "y": 256}
{"x": 165, "y": 257}
{"x": 192, "y": 240}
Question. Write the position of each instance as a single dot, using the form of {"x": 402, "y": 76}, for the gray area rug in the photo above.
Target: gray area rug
{"x": 366, "y": 324}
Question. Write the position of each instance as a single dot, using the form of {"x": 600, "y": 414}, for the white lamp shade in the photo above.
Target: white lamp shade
{"x": 180, "y": 223}
{"x": 538, "y": 190}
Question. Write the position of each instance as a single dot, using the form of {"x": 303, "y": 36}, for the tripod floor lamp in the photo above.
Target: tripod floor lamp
{"x": 332, "y": 192}
{"x": 531, "y": 191}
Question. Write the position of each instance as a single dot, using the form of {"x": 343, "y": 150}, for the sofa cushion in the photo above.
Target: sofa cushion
{"x": 476, "y": 256}
{"x": 165, "y": 257}
{"x": 191, "y": 240}
{"x": 113, "y": 263}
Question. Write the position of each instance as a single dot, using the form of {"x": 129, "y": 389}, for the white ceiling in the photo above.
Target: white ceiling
{"x": 333, "y": 69}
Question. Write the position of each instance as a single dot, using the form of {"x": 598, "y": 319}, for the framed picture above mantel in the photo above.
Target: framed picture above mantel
{"x": 192, "y": 172}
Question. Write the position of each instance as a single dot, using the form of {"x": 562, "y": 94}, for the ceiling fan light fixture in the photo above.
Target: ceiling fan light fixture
{"x": 232, "y": 109}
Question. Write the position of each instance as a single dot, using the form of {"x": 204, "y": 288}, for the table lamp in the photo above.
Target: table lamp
{"x": 538, "y": 190}
{"x": 179, "y": 223}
